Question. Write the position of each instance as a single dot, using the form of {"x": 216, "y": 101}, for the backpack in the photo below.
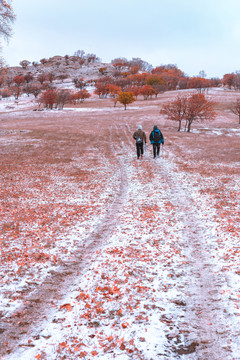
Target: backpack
{"x": 157, "y": 136}
{"x": 139, "y": 140}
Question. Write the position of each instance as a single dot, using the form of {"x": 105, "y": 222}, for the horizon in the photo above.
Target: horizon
{"x": 194, "y": 37}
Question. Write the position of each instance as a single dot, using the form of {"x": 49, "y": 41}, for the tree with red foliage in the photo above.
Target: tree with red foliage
{"x": 176, "y": 110}
{"x": 42, "y": 77}
{"x": 2, "y": 80}
{"x": 114, "y": 92}
{"x": 189, "y": 108}
{"x": 48, "y": 98}
{"x": 43, "y": 61}
{"x": 199, "y": 108}
{"x": 147, "y": 91}
{"x": 28, "y": 77}
{"x": 235, "y": 108}
{"x": 120, "y": 63}
{"x": 138, "y": 79}
{"x": 80, "y": 83}
{"x": 101, "y": 89}
{"x": 171, "y": 75}
{"x": 81, "y": 95}
{"x": 133, "y": 89}
{"x": 126, "y": 98}
{"x": 228, "y": 80}
{"x": 16, "y": 91}
{"x": 134, "y": 69}
{"x": 35, "y": 89}
{"x": 157, "y": 83}
{"x": 198, "y": 83}
{"x": 19, "y": 80}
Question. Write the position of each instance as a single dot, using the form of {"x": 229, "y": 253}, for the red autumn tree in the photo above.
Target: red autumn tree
{"x": 157, "y": 83}
{"x": 42, "y": 77}
{"x": 48, "y": 98}
{"x": 101, "y": 89}
{"x": 147, "y": 91}
{"x": 198, "y": 108}
{"x": 198, "y": 83}
{"x": 19, "y": 80}
{"x": 114, "y": 92}
{"x": 16, "y": 91}
{"x": 228, "y": 80}
{"x": 81, "y": 95}
{"x": 135, "y": 69}
{"x": 171, "y": 75}
{"x": 133, "y": 89}
{"x": 35, "y": 89}
{"x": 138, "y": 79}
{"x": 189, "y": 108}
{"x": 235, "y": 108}
{"x": 126, "y": 98}
{"x": 28, "y": 77}
{"x": 176, "y": 110}
{"x": 80, "y": 83}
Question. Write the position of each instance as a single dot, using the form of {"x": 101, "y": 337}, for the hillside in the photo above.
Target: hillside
{"x": 62, "y": 68}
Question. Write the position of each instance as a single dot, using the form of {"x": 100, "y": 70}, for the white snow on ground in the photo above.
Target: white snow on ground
{"x": 15, "y": 279}
{"x": 140, "y": 298}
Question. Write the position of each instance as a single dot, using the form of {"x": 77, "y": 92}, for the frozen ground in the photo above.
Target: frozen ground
{"x": 108, "y": 257}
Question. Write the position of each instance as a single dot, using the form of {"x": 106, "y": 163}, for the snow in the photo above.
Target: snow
{"x": 164, "y": 284}
{"x": 133, "y": 300}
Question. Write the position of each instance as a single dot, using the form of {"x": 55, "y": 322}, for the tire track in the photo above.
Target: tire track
{"x": 203, "y": 331}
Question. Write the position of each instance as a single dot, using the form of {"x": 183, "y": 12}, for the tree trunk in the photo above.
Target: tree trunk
{"x": 189, "y": 126}
{"x": 179, "y": 125}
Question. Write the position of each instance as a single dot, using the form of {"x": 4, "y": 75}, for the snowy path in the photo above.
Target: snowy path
{"x": 152, "y": 287}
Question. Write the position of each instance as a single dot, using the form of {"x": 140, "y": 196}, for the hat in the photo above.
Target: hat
{"x": 139, "y": 127}
{"x": 155, "y": 127}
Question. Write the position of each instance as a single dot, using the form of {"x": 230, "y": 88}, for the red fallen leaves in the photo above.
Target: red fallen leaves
{"x": 66, "y": 306}
{"x": 63, "y": 344}
{"x": 82, "y": 296}
{"x": 94, "y": 353}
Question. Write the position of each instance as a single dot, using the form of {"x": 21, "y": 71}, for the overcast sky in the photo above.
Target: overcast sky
{"x": 195, "y": 35}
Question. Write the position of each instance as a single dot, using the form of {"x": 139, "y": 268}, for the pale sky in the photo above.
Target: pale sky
{"x": 194, "y": 35}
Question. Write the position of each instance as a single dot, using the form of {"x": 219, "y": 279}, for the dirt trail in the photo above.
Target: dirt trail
{"x": 203, "y": 329}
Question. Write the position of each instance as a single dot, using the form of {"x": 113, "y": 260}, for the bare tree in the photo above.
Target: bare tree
{"x": 79, "y": 53}
{"x": 7, "y": 17}
{"x": 24, "y": 63}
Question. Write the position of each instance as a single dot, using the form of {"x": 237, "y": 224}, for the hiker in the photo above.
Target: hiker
{"x": 156, "y": 138}
{"x": 141, "y": 139}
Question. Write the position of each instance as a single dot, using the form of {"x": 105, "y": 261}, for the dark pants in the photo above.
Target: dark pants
{"x": 139, "y": 149}
{"x": 156, "y": 149}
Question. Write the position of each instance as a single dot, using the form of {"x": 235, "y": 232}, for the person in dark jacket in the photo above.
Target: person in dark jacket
{"x": 156, "y": 138}
{"x": 141, "y": 139}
